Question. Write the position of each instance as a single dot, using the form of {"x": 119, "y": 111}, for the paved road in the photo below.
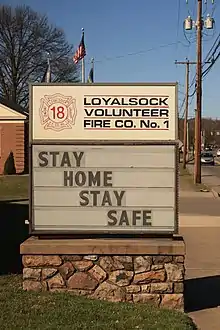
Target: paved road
{"x": 213, "y": 170}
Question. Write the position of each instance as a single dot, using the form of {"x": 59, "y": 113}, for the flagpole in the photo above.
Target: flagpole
{"x": 83, "y": 63}
{"x": 92, "y": 64}
{"x": 48, "y": 68}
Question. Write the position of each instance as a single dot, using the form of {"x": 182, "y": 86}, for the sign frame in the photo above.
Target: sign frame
{"x": 31, "y": 117}
{"x": 102, "y": 233}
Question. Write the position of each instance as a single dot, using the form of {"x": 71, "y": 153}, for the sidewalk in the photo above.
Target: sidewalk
{"x": 200, "y": 227}
{"x": 208, "y": 178}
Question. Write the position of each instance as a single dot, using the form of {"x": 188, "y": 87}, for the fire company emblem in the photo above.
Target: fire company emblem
{"x": 57, "y": 112}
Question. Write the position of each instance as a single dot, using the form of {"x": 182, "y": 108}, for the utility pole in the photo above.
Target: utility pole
{"x": 189, "y": 24}
{"x": 185, "y": 130}
{"x": 188, "y": 138}
{"x": 197, "y": 169}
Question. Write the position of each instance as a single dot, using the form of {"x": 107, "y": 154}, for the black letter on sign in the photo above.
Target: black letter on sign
{"x": 106, "y": 201}
{"x": 65, "y": 160}
{"x": 84, "y": 198}
{"x": 112, "y": 220}
{"x": 80, "y": 178}
{"x": 68, "y": 178}
{"x": 124, "y": 219}
{"x": 95, "y": 194}
{"x": 119, "y": 195}
{"x": 163, "y": 101}
{"x": 135, "y": 217}
{"x": 107, "y": 179}
{"x": 54, "y": 155}
{"x": 94, "y": 179}
{"x": 78, "y": 158}
{"x": 44, "y": 159}
{"x": 147, "y": 218}
{"x": 85, "y": 102}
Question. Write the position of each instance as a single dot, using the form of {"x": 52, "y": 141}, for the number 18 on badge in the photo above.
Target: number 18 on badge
{"x": 57, "y": 112}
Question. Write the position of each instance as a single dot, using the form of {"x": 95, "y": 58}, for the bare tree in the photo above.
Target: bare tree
{"x": 25, "y": 39}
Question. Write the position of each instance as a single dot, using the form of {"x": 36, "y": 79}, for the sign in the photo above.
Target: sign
{"x": 104, "y": 188}
{"x": 104, "y": 112}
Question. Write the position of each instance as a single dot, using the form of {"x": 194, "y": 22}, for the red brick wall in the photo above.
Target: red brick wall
{"x": 26, "y": 147}
{"x": 12, "y": 139}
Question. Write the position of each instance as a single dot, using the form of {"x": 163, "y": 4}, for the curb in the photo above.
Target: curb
{"x": 215, "y": 193}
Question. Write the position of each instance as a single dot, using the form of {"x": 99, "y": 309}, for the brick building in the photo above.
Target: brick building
{"x": 13, "y": 135}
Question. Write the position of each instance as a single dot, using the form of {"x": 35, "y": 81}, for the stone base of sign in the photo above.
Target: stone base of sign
{"x": 133, "y": 270}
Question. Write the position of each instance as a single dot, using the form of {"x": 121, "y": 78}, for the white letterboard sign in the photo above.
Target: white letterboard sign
{"x": 108, "y": 189}
{"x": 103, "y": 112}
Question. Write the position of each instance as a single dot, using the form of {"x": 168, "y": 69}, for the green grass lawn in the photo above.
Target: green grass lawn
{"x": 13, "y": 187}
{"x": 25, "y": 310}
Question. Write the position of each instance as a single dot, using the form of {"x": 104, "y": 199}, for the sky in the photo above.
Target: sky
{"x": 138, "y": 41}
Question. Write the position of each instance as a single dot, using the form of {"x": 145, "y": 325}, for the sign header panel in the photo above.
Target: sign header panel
{"x": 103, "y": 112}
{"x": 107, "y": 189}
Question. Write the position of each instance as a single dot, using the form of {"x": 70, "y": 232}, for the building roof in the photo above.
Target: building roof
{"x": 13, "y": 106}
{"x": 11, "y": 111}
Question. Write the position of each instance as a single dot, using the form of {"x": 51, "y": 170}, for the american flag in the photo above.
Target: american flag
{"x": 80, "y": 52}
{"x": 91, "y": 76}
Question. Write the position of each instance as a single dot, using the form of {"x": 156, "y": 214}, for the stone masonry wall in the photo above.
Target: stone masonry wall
{"x": 155, "y": 279}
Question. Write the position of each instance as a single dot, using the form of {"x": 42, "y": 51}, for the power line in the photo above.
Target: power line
{"x": 188, "y": 46}
{"x": 211, "y": 65}
{"x": 139, "y": 52}
{"x": 181, "y": 107}
{"x": 191, "y": 34}
{"x": 207, "y": 59}
{"x": 209, "y": 52}
{"x": 214, "y": 8}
